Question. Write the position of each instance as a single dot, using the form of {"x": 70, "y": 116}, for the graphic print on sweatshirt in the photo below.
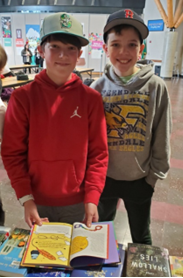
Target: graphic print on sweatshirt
{"x": 126, "y": 116}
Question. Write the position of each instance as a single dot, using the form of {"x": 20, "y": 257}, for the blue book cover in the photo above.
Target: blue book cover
{"x": 48, "y": 273}
{"x": 11, "y": 252}
{"x": 103, "y": 271}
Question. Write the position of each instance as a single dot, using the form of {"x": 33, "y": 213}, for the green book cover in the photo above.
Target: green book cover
{"x": 147, "y": 261}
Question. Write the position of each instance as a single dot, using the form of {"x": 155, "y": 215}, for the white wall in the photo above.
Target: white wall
{"x": 97, "y": 23}
{"x": 84, "y": 19}
{"x": 155, "y": 39}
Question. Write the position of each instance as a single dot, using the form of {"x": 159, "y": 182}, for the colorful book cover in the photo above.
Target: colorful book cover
{"x": 176, "y": 266}
{"x": 104, "y": 270}
{"x": 11, "y": 252}
{"x": 4, "y": 233}
{"x": 61, "y": 245}
{"x": 146, "y": 260}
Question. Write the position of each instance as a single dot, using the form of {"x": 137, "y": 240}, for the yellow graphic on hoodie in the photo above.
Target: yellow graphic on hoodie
{"x": 126, "y": 121}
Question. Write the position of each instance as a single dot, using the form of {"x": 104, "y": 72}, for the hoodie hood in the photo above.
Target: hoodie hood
{"x": 43, "y": 79}
{"x": 137, "y": 81}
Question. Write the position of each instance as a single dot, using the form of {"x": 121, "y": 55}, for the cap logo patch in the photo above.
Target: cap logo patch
{"x": 129, "y": 13}
{"x": 65, "y": 21}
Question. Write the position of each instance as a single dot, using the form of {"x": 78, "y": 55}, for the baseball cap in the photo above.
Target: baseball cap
{"x": 62, "y": 23}
{"x": 126, "y": 16}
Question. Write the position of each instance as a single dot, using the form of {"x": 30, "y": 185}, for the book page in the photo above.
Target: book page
{"x": 49, "y": 244}
{"x": 89, "y": 241}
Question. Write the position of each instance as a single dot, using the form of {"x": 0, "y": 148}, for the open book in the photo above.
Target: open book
{"x": 64, "y": 245}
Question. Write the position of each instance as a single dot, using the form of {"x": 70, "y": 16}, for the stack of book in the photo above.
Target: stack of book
{"x": 11, "y": 252}
{"x": 60, "y": 249}
{"x": 63, "y": 250}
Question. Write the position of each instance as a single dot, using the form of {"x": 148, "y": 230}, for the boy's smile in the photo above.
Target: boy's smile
{"x": 123, "y": 51}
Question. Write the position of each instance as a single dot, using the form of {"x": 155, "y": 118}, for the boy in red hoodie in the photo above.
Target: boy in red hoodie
{"x": 55, "y": 144}
{"x": 3, "y": 60}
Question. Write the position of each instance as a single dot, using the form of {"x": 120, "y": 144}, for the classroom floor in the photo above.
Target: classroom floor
{"x": 167, "y": 204}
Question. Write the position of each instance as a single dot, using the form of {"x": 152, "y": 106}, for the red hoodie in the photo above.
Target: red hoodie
{"x": 55, "y": 143}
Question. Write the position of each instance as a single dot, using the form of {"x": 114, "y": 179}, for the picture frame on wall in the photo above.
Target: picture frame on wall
{"x": 19, "y": 33}
{"x": 6, "y": 26}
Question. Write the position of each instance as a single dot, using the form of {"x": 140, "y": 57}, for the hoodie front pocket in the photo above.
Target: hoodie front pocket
{"x": 54, "y": 178}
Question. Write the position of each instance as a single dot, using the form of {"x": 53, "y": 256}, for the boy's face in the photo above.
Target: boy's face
{"x": 123, "y": 51}
{"x": 60, "y": 60}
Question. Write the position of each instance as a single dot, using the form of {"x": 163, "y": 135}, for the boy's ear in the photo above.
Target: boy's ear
{"x": 79, "y": 55}
{"x": 105, "y": 48}
{"x": 141, "y": 48}
{"x": 41, "y": 52}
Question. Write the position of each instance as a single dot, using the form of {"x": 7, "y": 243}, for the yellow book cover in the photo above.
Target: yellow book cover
{"x": 176, "y": 266}
{"x": 65, "y": 246}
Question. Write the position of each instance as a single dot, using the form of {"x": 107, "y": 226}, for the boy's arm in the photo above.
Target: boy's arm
{"x": 15, "y": 146}
{"x": 97, "y": 160}
{"x": 14, "y": 155}
{"x": 2, "y": 116}
{"x": 162, "y": 125}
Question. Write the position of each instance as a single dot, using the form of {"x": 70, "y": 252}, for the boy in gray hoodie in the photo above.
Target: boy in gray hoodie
{"x": 138, "y": 115}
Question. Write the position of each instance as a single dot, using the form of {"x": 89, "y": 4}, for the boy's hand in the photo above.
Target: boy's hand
{"x": 91, "y": 214}
{"x": 31, "y": 214}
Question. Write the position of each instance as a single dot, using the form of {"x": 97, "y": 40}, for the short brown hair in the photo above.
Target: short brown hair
{"x": 3, "y": 57}
{"x": 117, "y": 30}
{"x": 64, "y": 38}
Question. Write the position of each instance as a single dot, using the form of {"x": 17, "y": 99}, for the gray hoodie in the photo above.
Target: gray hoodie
{"x": 138, "y": 116}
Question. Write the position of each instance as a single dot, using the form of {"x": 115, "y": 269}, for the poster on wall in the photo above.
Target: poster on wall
{"x": 95, "y": 45}
{"x": 32, "y": 37}
{"x": 19, "y": 46}
{"x": 6, "y": 26}
{"x": 7, "y": 42}
{"x": 19, "y": 33}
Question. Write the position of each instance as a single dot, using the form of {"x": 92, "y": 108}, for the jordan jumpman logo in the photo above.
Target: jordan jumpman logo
{"x": 75, "y": 113}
